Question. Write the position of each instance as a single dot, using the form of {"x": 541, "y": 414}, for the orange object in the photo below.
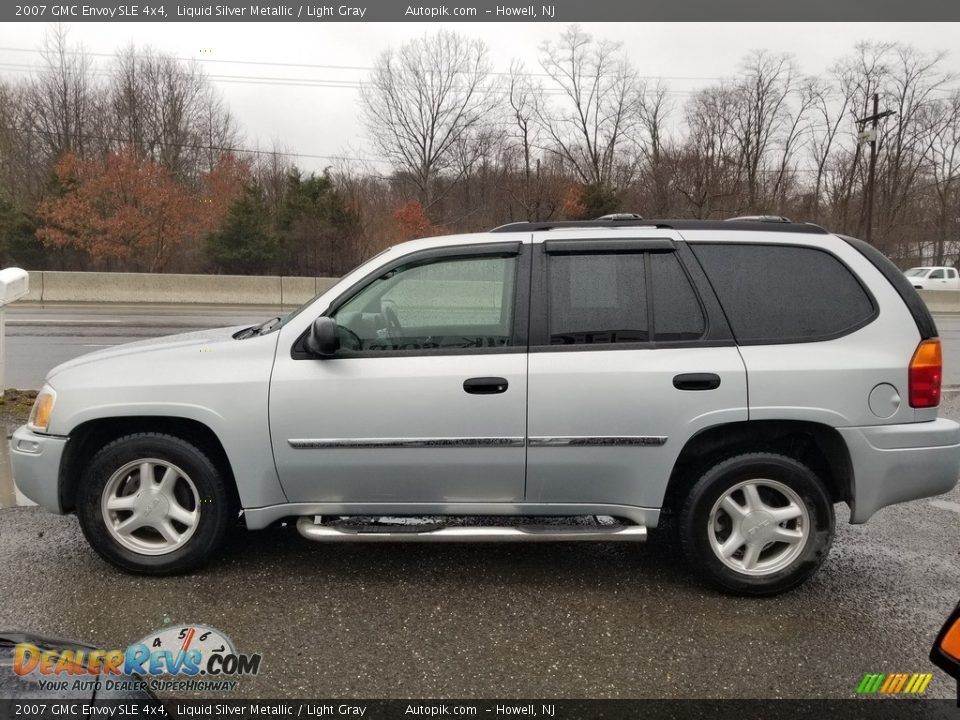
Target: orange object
{"x": 951, "y": 641}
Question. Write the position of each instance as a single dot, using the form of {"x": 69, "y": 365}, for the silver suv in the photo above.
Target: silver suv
{"x": 736, "y": 379}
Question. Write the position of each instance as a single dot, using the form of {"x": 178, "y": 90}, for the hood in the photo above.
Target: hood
{"x": 141, "y": 347}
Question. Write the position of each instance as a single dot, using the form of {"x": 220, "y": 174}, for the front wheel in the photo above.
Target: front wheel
{"x": 153, "y": 504}
{"x": 757, "y": 524}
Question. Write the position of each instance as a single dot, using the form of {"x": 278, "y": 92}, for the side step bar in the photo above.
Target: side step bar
{"x": 324, "y": 533}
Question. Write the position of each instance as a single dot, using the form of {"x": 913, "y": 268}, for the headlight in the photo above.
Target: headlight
{"x": 42, "y": 407}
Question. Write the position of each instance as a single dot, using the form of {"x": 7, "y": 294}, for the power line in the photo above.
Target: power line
{"x": 191, "y": 146}
{"x": 294, "y": 81}
{"x": 362, "y": 68}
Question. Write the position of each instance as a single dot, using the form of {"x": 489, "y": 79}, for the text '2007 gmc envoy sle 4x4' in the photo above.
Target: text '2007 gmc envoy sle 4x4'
{"x": 737, "y": 377}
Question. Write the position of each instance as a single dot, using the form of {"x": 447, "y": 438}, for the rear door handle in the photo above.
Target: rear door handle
{"x": 696, "y": 381}
{"x": 485, "y": 385}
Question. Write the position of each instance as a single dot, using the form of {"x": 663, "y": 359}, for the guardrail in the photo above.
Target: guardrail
{"x": 102, "y": 287}
{"x": 55, "y": 286}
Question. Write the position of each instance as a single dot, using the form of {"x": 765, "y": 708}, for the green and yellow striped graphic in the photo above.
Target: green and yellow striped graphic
{"x": 894, "y": 683}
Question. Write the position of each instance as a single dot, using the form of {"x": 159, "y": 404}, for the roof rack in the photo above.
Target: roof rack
{"x": 761, "y": 218}
{"x": 783, "y": 225}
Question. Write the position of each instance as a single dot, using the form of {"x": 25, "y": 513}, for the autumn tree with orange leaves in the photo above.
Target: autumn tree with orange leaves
{"x": 127, "y": 212}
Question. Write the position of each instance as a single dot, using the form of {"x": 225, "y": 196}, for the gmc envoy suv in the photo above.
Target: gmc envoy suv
{"x": 732, "y": 381}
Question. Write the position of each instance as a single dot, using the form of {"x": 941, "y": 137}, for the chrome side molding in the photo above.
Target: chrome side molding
{"x": 598, "y": 441}
{"x": 477, "y": 442}
{"x": 373, "y": 443}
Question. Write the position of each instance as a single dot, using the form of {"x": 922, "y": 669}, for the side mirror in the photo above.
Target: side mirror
{"x": 322, "y": 339}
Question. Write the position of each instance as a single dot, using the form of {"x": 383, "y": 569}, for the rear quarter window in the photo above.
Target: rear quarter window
{"x": 784, "y": 293}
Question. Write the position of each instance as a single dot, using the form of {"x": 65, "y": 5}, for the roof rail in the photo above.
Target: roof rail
{"x": 761, "y": 218}
{"x": 683, "y": 224}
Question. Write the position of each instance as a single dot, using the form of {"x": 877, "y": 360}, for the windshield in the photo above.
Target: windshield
{"x": 917, "y": 272}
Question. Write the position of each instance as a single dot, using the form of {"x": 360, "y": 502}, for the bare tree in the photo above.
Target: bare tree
{"x": 167, "y": 108}
{"x": 762, "y": 116}
{"x": 423, "y": 101}
{"x": 62, "y": 98}
{"x": 592, "y": 124}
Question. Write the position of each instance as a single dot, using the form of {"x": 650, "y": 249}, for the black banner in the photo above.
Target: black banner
{"x": 563, "y": 11}
{"x": 545, "y": 709}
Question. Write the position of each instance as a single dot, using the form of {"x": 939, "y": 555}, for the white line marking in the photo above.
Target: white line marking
{"x": 104, "y": 345}
{"x": 11, "y": 321}
{"x": 946, "y": 505}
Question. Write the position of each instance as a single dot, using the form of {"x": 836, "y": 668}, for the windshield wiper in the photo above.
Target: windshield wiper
{"x": 260, "y": 329}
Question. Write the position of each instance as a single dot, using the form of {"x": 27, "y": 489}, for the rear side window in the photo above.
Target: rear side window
{"x": 597, "y": 299}
{"x": 677, "y": 314}
{"x": 780, "y": 293}
{"x": 610, "y": 298}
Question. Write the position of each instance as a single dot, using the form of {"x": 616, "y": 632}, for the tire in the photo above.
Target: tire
{"x": 776, "y": 555}
{"x": 182, "y": 516}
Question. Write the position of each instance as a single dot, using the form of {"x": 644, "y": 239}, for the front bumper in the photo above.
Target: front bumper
{"x": 36, "y": 466}
{"x": 897, "y": 463}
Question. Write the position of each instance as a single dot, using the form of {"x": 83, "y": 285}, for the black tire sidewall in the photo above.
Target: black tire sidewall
{"x": 704, "y": 494}
{"x": 215, "y": 505}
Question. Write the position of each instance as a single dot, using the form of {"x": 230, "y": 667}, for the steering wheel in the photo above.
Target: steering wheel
{"x": 389, "y": 312}
{"x": 349, "y": 340}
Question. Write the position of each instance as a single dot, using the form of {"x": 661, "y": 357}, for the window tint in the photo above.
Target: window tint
{"x": 779, "y": 293}
{"x": 952, "y": 273}
{"x": 936, "y": 275}
{"x": 597, "y": 298}
{"x": 448, "y": 303}
{"x": 677, "y": 314}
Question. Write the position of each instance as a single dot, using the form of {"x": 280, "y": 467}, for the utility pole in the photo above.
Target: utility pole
{"x": 872, "y": 137}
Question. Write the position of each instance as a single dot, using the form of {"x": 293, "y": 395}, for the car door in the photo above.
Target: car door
{"x": 425, "y": 402}
{"x": 937, "y": 279}
{"x": 629, "y": 357}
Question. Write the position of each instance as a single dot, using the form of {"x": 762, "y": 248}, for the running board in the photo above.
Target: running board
{"x": 324, "y": 533}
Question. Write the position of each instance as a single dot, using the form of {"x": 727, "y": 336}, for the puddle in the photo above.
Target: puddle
{"x": 9, "y": 495}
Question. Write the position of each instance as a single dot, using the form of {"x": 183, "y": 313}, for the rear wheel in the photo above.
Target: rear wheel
{"x": 153, "y": 504}
{"x": 757, "y": 524}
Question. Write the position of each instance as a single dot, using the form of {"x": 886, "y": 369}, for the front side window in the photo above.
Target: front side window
{"x": 440, "y": 304}
{"x": 937, "y": 275}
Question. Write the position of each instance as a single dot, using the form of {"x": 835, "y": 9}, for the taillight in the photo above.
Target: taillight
{"x": 926, "y": 373}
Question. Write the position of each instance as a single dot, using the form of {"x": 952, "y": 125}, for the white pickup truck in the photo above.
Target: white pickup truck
{"x": 934, "y": 278}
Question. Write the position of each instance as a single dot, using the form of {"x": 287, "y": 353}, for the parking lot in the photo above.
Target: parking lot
{"x": 538, "y": 620}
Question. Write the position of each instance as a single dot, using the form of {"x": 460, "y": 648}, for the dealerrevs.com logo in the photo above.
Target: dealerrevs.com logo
{"x": 894, "y": 683}
{"x": 196, "y": 657}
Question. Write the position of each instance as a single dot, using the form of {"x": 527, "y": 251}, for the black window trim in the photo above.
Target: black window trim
{"x": 521, "y": 316}
{"x": 793, "y": 341}
{"x": 911, "y": 298}
{"x": 716, "y": 333}
{"x": 608, "y": 246}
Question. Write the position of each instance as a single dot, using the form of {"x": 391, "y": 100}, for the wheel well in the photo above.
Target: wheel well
{"x": 819, "y": 447}
{"x": 87, "y": 438}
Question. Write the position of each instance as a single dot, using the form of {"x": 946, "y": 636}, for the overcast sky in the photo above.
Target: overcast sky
{"x": 323, "y": 120}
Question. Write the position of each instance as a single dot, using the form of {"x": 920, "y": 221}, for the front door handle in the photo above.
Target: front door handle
{"x": 696, "y": 381}
{"x": 485, "y": 385}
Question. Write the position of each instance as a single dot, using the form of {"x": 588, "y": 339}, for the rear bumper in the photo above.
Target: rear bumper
{"x": 36, "y": 466}
{"x": 897, "y": 463}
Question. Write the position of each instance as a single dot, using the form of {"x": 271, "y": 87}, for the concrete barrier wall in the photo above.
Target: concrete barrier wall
{"x": 941, "y": 301}
{"x": 51, "y": 286}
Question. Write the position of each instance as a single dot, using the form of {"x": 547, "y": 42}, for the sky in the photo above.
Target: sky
{"x": 323, "y": 119}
